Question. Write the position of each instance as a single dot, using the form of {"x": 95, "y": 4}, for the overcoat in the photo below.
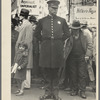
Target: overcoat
{"x": 26, "y": 36}
{"x": 51, "y": 50}
{"x": 86, "y": 41}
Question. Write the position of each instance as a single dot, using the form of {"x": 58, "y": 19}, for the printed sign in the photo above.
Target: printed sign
{"x": 87, "y": 13}
{"x": 31, "y": 5}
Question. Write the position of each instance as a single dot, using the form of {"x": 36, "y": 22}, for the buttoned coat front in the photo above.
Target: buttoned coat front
{"x": 26, "y": 36}
{"x": 51, "y": 51}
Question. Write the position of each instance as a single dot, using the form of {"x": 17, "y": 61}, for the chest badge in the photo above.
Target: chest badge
{"x": 59, "y": 22}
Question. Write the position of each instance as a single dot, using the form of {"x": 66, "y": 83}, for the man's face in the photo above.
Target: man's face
{"x": 52, "y": 10}
{"x": 75, "y": 31}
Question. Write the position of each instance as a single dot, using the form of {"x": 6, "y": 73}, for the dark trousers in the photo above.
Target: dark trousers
{"x": 51, "y": 78}
{"x": 78, "y": 72}
{"x": 35, "y": 70}
{"x": 67, "y": 82}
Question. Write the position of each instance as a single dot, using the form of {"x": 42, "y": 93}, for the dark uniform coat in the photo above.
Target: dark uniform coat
{"x": 51, "y": 32}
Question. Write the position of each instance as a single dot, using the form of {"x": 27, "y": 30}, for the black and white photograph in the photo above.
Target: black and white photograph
{"x": 51, "y": 50}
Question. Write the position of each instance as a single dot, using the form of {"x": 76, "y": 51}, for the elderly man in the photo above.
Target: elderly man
{"x": 51, "y": 31}
{"x": 77, "y": 52}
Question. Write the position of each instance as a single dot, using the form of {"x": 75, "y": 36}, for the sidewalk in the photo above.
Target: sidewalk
{"x": 35, "y": 92}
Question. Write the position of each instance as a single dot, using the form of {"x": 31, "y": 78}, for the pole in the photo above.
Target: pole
{"x": 69, "y": 12}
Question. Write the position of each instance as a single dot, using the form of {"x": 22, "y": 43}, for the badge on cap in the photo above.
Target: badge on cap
{"x": 59, "y": 22}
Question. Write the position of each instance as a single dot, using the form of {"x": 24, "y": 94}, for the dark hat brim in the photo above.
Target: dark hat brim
{"x": 48, "y": 2}
{"x": 24, "y": 12}
{"x": 83, "y": 25}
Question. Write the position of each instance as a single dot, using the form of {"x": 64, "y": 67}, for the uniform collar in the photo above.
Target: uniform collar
{"x": 50, "y": 16}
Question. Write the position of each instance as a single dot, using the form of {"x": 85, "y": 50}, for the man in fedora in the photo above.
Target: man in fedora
{"x": 78, "y": 50}
{"x": 26, "y": 36}
{"x": 51, "y": 31}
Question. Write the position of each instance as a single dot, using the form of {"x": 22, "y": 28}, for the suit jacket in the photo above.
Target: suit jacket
{"x": 51, "y": 52}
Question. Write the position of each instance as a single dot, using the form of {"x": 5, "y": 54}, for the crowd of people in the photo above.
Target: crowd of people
{"x": 65, "y": 55}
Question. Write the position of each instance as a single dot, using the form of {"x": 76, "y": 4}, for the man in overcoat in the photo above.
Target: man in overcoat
{"x": 78, "y": 51}
{"x": 51, "y": 31}
{"x": 26, "y": 36}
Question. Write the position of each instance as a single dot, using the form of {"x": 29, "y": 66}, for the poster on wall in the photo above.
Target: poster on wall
{"x": 31, "y": 5}
{"x": 86, "y": 13}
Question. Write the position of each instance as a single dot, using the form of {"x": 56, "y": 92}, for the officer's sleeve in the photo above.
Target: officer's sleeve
{"x": 65, "y": 31}
{"x": 37, "y": 32}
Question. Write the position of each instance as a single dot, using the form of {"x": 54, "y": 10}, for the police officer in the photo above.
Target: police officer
{"x": 51, "y": 31}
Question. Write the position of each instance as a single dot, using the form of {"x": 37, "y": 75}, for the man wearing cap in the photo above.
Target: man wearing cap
{"x": 26, "y": 36}
{"x": 51, "y": 31}
{"x": 78, "y": 50}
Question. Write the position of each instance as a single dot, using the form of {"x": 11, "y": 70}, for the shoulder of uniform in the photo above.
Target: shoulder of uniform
{"x": 43, "y": 18}
{"x": 60, "y": 18}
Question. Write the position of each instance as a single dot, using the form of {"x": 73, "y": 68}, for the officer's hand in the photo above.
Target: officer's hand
{"x": 86, "y": 58}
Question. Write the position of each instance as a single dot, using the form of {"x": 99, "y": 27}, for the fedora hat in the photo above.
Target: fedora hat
{"x": 53, "y": 1}
{"x": 75, "y": 25}
{"x": 24, "y": 12}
